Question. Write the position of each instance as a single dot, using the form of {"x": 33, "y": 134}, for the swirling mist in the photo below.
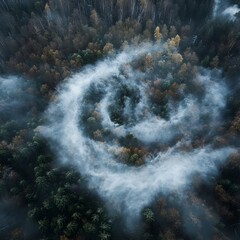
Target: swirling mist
{"x": 224, "y": 9}
{"x": 128, "y": 189}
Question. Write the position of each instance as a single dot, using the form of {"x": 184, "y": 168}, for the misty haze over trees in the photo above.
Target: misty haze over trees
{"x": 119, "y": 119}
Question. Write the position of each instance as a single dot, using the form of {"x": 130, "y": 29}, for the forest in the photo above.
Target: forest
{"x": 119, "y": 119}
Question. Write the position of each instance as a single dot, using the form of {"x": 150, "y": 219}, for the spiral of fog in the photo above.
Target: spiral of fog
{"x": 130, "y": 188}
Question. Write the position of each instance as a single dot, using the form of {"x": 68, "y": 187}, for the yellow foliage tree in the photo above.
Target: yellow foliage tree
{"x": 171, "y": 43}
{"x": 47, "y": 8}
{"x": 107, "y": 48}
{"x": 94, "y": 18}
{"x": 157, "y": 34}
{"x": 177, "y": 40}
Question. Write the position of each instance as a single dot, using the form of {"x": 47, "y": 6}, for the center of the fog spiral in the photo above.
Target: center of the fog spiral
{"x": 107, "y": 109}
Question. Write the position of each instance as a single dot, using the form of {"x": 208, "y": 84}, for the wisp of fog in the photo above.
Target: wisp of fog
{"x": 224, "y": 9}
{"x": 124, "y": 188}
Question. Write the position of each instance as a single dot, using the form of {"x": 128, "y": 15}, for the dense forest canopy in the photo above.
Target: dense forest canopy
{"x": 119, "y": 119}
